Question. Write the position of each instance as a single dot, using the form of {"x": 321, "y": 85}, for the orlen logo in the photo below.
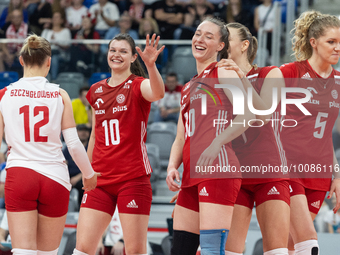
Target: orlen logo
{"x": 119, "y": 109}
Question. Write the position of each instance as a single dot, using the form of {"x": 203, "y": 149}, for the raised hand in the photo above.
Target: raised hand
{"x": 150, "y": 53}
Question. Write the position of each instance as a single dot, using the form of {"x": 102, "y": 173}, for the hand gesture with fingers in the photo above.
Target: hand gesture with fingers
{"x": 150, "y": 53}
{"x": 229, "y": 64}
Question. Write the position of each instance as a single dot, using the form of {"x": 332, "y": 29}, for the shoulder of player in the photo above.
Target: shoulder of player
{"x": 223, "y": 73}
{"x": 270, "y": 72}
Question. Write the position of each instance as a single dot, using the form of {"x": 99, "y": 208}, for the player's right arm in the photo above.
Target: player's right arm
{"x": 75, "y": 147}
{"x": 176, "y": 157}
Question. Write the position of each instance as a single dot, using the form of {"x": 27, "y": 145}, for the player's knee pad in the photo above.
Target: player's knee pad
{"x": 213, "y": 241}
{"x": 77, "y": 252}
{"x": 184, "y": 243}
{"x": 54, "y": 252}
{"x": 290, "y": 252}
{"x": 279, "y": 251}
{"x": 309, "y": 247}
{"x": 232, "y": 253}
{"x": 17, "y": 251}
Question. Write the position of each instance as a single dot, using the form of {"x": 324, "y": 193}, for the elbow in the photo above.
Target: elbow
{"x": 159, "y": 96}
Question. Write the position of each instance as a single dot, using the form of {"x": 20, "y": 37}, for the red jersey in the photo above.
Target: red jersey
{"x": 309, "y": 144}
{"x": 258, "y": 147}
{"x": 121, "y": 114}
{"x": 200, "y": 129}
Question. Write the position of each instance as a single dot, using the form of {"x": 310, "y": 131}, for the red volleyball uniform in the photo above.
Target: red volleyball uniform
{"x": 310, "y": 142}
{"x": 259, "y": 146}
{"x": 119, "y": 152}
{"x": 199, "y": 128}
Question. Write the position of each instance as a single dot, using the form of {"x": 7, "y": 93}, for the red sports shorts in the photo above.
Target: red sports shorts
{"x": 315, "y": 198}
{"x": 260, "y": 193}
{"x": 27, "y": 190}
{"x": 218, "y": 191}
{"x": 133, "y": 197}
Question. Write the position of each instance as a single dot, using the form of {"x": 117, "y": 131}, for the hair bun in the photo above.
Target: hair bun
{"x": 33, "y": 42}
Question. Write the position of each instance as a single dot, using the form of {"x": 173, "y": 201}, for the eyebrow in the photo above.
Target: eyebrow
{"x": 198, "y": 30}
{"x": 111, "y": 48}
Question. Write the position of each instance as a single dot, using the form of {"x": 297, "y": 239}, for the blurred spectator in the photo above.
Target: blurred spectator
{"x": 106, "y": 14}
{"x": 31, "y": 6}
{"x": 74, "y": 15}
{"x": 235, "y": 13}
{"x": 13, "y": 4}
{"x": 136, "y": 12}
{"x": 75, "y": 174}
{"x": 60, "y": 38}
{"x": 333, "y": 220}
{"x": 336, "y": 134}
{"x": 195, "y": 13}
{"x": 169, "y": 105}
{"x": 17, "y": 29}
{"x": 81, "y": 108}
{"x": 147, "y": 26}
{"x": 112, "y": 241}
{"x": 264, "y": 17}
{"x": 124, "y": 26}
{"x": 84, "y": 56}
{"x": 60, "y": 5}
{"x": 41, "y": 18}
{"x": 169, "y": 16}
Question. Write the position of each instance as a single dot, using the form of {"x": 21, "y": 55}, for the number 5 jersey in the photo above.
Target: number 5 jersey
{"x": 308, "y": 146}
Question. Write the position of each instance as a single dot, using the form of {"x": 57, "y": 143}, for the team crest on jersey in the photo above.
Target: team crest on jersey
{"x": 335, "y": 94}
{"x": 120, "y": 98}
{"x": 127, "y": 84}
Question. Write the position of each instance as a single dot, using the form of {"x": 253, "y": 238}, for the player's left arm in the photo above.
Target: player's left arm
{"x": 335, "y": 186}
{"x": 232, "y": 131}
{"x": 152, "y": 89}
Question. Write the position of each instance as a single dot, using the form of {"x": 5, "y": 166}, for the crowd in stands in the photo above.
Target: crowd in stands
{"x": 62, "y": 20}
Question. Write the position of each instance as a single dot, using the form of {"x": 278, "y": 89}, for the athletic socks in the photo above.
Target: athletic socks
{"x": 76, "y": 252}
{"x": 279, "y": 251}
{"x": 309, "y": 247}
{"x": 55, "y": 252}
{"x": 184, "y": 243}
{"x": 17, "y": 251}
{"x": 291, "y": 252}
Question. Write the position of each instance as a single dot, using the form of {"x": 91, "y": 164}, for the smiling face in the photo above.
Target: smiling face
{"x": 206, "y": 42}
{"x": 327, "y": 46}
{"x": 119, "y": 57}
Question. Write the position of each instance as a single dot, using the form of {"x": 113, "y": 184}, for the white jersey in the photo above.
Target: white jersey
{"x": 32, "y": 110}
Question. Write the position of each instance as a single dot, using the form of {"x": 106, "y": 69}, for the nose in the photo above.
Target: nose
{"x": 337, "y": 48}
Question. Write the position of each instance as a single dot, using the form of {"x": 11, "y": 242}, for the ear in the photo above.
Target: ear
{"x": 245, "y": 46}
{"x": 134, "y": 58}
{"x": 49, "y": 61}
{"x": 21, "y": 61}
{"x": 312, "y": 42}
{"x": 220, "y": 46}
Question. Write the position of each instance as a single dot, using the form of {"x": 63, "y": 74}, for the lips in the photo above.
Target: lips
{"x": 197, "y": 47}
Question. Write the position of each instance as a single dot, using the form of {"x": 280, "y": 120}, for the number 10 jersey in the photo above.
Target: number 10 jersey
{"x": 121, "y": 115}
